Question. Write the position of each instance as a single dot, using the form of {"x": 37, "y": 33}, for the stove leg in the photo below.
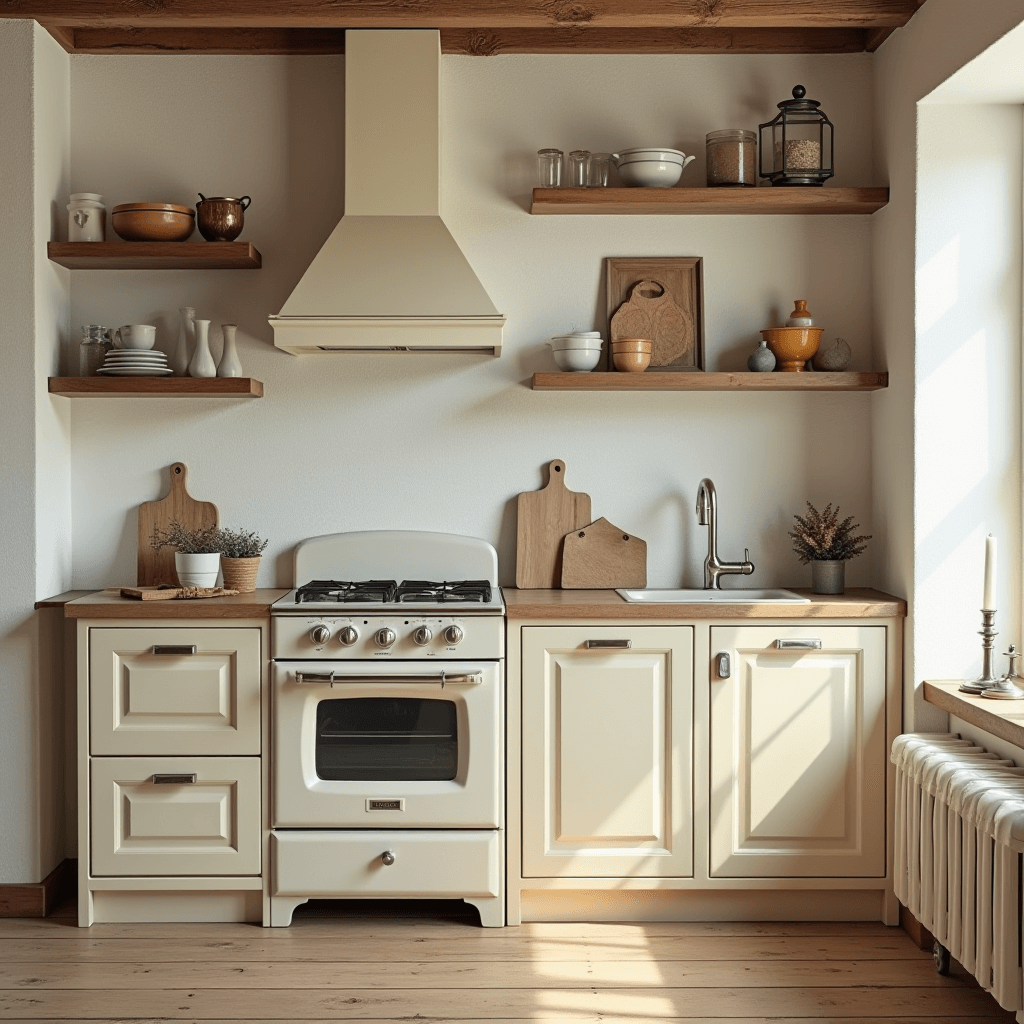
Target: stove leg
{"x": 492, "y": 911}
{"x": 281, "y": 909}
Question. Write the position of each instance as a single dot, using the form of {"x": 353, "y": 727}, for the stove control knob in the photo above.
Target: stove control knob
{"x": 320, "y": 635}
{"x": 348, "y": 636}
{"x": 385, "y": 637}
{"x": 422, "y": 636}
{"x": 452, "y": 636}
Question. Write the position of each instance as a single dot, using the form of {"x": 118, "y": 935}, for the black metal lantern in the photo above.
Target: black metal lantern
{"x": 795, "y": 143}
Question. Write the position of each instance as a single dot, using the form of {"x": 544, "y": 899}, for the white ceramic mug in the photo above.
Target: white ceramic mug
{"x": 134, "y": 336}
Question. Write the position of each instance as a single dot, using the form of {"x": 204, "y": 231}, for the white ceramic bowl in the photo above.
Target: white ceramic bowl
{"x": 665, "y": 155}
{"x": 577, "y": 360}
{"x": 575, "y": 341}
{"x": 650, "y": 173}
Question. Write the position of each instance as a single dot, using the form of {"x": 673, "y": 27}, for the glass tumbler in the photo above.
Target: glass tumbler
{"x": 549, "y": 165}
{"x": 579, "y": 167}
{"x": 597, "y": 174}
{"x": 93, "y": 349}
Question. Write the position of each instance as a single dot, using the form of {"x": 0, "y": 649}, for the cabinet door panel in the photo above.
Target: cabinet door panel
{"x": 143, "y": 702}
{"x": 798, "y": 753}
{"x": 607, "y": 751}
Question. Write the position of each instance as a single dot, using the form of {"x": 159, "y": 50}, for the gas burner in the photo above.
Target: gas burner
{"x": 375, "y": 591}
{"x": 461, "y": 591}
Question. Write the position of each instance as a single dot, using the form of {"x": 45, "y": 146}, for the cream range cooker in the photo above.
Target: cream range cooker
{"x": 388, "y": 723}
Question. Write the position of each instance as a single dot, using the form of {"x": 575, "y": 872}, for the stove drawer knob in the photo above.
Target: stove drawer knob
{"x": 452, "y": 636}
{"x": 348, "y": 636}
{"x": 320, "y": 635}
{"x": 385, "y": 637}
{"x": 422, "y": 636}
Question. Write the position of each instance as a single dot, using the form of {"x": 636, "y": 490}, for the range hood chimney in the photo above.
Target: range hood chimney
{"x": 390, "y": 277}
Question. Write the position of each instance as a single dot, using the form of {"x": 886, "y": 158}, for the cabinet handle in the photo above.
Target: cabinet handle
{"x": 798, "y": 645}
{"x": 724, "y": 666}
{"x": 174, "y": 648}
{"x": 387, "y": 858}
{"x": 620, "y": 644}
{"x": 175, "y": 779}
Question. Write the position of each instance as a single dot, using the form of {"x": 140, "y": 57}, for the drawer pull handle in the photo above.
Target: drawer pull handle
{"x": 798, "y": 645}
{"x": 338, "y": 678}
{"x": 387, "y": 858}
{"x": 724, "y": 666}
{"x": 175, "y": 779}
{"x": 174, "y": 648}
{"x": 599, "y": 644}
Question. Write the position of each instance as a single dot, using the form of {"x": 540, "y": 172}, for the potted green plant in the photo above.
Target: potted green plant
{"x": 197, "y": 554}
{"x": 240, "y": 552}
{"x": 828, "y": 544}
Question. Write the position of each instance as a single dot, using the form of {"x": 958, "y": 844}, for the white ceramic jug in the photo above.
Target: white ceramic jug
{"x": 87, "y": 217}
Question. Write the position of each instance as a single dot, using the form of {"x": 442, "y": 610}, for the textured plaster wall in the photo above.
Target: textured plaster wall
{"x": 443, "y": 442}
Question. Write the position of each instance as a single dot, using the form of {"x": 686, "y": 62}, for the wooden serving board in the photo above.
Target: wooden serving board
{"x": 651, "y": 313}
{"x": 602, "y": 557}
{"x": 545, "y": 517}
{"x": 174, "y": 593}
{"x": 156, "y": 567}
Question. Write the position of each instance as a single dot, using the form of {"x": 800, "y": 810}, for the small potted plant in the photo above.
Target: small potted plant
{"x": 828, "y": 544}
{"x": 240, "y": 559}
{"x": 197, "y": 554}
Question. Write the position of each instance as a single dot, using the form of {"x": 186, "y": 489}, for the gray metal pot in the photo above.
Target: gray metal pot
{"x": 828, "y": 577}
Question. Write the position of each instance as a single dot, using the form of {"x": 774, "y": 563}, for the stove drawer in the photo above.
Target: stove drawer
{"x": 159, "y": 690}
{"x": 175, "y": 815}
{"x": 440, "y": 864}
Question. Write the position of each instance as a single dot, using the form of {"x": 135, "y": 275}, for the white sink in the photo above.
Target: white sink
{"x": 712, "y": 597}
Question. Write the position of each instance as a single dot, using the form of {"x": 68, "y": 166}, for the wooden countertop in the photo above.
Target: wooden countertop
{"x": 856, "y": 603}
{"x": 59, "y": 600}
{"x": 109, "y": 604}
{"x": 1002, "y": 718}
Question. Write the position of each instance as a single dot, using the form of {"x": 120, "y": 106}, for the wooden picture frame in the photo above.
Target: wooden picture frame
{"x": 676, "y": 315}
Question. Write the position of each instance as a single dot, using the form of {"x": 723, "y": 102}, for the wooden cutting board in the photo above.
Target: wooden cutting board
{"x": 156, "y": 567}
{"x": 174, "y": 593}
{"x": 652, "y": 313}
{"x": 545, "y": 517}
{"x": 602, "y": 557}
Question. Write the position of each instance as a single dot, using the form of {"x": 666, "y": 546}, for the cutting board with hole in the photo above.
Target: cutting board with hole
{"x": 603, "y": 557}
{"x": 652, "y": 313}
{"x": 545, "y": 517}
{"x": 156, "y": 567}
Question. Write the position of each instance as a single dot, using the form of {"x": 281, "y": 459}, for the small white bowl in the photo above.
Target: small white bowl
{"x": 666, "y": 155}
{"x": 577, "y": 360}
{"x": 650, "y": 173}
{"x": 575, "y": 342}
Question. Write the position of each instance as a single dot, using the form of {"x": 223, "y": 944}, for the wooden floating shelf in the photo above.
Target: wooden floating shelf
{"x": 661, "y": 381}
{"x": 156, "y": 387}
{"x": 703, "y": 201}
{"x": 155, "y": 255}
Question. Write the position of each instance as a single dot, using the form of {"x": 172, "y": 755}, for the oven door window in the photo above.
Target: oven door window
{"x": 387, "y": 739}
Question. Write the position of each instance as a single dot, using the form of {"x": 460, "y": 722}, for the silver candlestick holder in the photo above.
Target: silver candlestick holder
{"x": 1007, "y": 688}
{"x": 988, "y": 677}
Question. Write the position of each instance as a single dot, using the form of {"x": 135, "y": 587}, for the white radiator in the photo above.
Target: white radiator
{"x": 959, "y": 828}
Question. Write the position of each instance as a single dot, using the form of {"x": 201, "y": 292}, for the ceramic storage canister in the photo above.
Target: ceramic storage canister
{"x": 87, "y": 217}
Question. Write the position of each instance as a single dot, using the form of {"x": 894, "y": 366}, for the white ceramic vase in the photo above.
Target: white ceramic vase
{"x": 179, "y": 358}
{"x": 197, "y": 570}
{"x": 229, "y": 366}
{"x": 202, "y": 364}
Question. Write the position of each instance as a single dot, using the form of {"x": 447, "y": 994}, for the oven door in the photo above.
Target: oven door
{"x": 387, "y": 744}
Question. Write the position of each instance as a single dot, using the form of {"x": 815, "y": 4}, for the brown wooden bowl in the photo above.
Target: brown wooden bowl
{"x": 793, "y": 346}
{"x": 631, "y": 362}
{"x": 153, "y": 222}
{"x": 633, "y": 345}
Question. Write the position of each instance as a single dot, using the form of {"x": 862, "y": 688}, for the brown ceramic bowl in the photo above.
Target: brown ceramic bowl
{"x": 153, "y": 222}
{"x": 793, "y": 346}
{"x": 631, "y": 362}
{"x": 633, "y": 345}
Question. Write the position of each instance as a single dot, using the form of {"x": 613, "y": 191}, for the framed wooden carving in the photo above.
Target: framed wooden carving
{"x": 660, "y": 298}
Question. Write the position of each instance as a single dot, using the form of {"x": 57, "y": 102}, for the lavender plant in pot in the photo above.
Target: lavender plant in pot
{"x": 240, "y": 552}
{"x": 197, "y": 554}
{"x": 828, "y": 544}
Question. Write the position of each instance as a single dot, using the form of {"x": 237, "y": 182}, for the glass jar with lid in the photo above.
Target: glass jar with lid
{"x": 732, "y": 157}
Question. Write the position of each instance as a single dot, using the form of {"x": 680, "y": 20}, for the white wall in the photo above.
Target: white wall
{"x": 34, "y": 498}
{"x": 446, "y": 442}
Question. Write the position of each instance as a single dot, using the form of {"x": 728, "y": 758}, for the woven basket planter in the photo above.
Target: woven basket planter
{"x": 240, "y": 573}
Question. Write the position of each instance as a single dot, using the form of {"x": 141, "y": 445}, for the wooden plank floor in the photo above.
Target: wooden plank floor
{"x": 390, "y": 962}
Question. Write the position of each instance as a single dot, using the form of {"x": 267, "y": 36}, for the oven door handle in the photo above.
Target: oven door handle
{"x": 444, "y": 678}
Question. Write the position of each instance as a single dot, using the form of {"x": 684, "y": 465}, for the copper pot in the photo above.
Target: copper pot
{"x": 219, "y": 218}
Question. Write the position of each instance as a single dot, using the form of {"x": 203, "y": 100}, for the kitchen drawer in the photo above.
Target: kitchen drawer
{"x": 146, "y": 827}
{"x": 451, "y": 864}
{"x": 145, "y": 702}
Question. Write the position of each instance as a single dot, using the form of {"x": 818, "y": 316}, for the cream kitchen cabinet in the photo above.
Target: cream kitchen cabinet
{"x": 798, "y": 751}
{"x": 607, "y": 726}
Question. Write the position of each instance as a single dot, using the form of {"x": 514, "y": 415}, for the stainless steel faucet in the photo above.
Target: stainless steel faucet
{"x": 707, "y": 515}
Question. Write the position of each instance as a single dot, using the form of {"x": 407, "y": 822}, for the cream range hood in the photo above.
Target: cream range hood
{"x": 390, "y": 277}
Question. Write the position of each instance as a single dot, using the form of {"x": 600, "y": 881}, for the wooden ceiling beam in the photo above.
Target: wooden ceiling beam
{"x": 466, "y": 14}
{"x": 472, "y": 42}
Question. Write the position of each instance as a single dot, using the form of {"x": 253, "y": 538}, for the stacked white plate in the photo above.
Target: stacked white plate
{"x": 136, "y": 362}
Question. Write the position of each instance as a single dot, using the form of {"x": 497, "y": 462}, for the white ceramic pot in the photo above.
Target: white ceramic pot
{"x": 577, "y": 360}
{"x": 197, "y": 570}
{"x": 87, "y": 217}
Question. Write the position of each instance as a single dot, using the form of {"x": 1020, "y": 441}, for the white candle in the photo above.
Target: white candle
{"x": 988, "y": 600}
